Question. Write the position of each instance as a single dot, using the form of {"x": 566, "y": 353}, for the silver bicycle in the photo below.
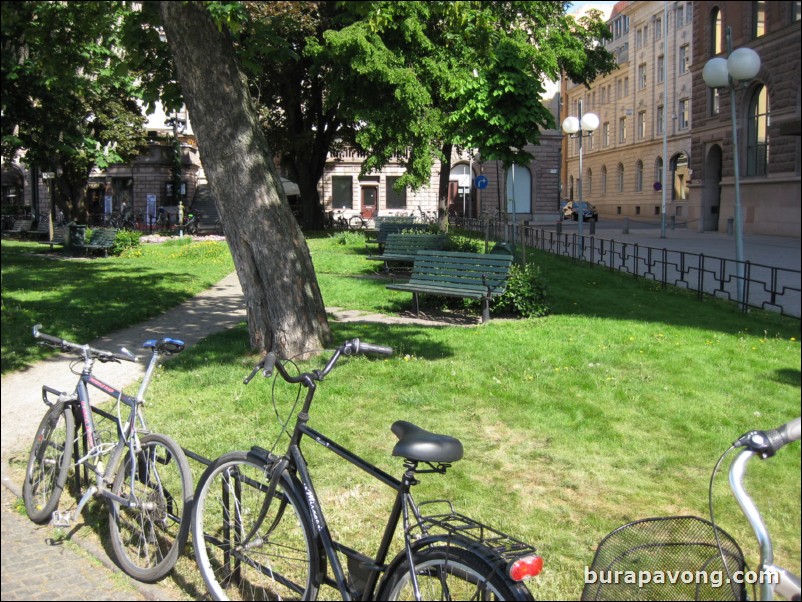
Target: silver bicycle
{"x": 144, "y": 476}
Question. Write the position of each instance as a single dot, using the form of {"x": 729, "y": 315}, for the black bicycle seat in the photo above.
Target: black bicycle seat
{"x": 415, "y": 443}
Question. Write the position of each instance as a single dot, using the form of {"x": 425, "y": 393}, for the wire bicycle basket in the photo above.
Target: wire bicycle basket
{"x": 669, "y": 558}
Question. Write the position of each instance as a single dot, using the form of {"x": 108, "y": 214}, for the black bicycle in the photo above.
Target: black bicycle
{"x": 260, "y": 532}
{"x": 144, "y": 476}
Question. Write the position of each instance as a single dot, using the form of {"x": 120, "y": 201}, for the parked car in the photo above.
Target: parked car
{"x": 571, "y": 211}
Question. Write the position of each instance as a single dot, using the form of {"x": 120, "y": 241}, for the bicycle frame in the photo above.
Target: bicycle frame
{"x": 366, "y": 571}
{"x": 127, "y": 432}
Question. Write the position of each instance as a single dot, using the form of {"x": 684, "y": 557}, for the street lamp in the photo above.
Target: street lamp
{"x": 579, "y": 127}
{"x": 741, "y": 65}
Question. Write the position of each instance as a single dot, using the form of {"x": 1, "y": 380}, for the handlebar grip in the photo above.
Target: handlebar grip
{"x": 268, "y": 364}
{"x": 37, "y": 334}
{"x": 371, "y": 348}
{"x": 782, "y": 436}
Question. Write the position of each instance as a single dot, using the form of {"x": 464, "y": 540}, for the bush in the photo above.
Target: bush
{"x": 126, "y": 239}
{"x": 525, "y": 295}
{"x": 349, "y": 238}
{"x": 464, "y": 244}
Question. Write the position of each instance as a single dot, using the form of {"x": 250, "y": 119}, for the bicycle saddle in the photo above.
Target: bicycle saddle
{"x": 415, "y": 443}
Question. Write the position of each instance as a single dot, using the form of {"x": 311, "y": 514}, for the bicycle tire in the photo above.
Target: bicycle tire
{"x": 49, "y": 463}
{"x": 356, "y": 223}
{"x": 282, "y": 561}
{"x": 447, "y": 572}
{"x": 147, "y": 538}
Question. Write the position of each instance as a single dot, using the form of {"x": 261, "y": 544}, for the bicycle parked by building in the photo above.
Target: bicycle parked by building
{"x": 144, "y": 476}
{"x": 690, "y": 558}
{"x": 260, "y": 531}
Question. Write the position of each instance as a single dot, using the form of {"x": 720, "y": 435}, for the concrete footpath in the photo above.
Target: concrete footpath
{"x": 35, "y": 567}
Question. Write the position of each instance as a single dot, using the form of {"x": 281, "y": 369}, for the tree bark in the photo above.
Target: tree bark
{"x": 285, "y": 308}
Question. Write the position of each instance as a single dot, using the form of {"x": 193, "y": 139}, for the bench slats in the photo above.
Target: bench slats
{"x": 102, "y": 240}
{"x": 404, "y": 247}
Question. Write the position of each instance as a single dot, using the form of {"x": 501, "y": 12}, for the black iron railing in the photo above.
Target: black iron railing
{"x": 764, "y": 287}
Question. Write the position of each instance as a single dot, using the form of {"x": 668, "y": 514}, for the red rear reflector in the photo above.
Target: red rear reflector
{"x": 526, "y": 567}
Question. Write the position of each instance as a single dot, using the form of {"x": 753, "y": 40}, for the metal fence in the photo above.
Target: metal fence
{"x": 765, "y": 287}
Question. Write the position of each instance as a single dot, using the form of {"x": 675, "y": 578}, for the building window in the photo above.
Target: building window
{"x": 680, "y": 16}
{"x": 642, "y": 76}
{"x": 658, "y": 28}
{"x": 589, "y": 182}
{"x": 639, "y": 38}
{"x": 758, "y": 19}
{"x": 757, "y": 141}
{"x": 604, "y": 179}
{"x": 622, "y": 129}
{"x": 684, "y": 105}
{"x": 641, "y": 125}
{"x": 658, "y": 171}
{"x": 626, "y": 86}
{"x": 620, "y": 177}
{"x": 342, "y": 195}
{"x": 716, "y": 33}
{"x": 796, "y": 11}
{"x": 606, "y": 135}
{"x": 684, "y": 59}
{"x": 661, "y": 65}
{"x": 639, "y": 176}
{"x": 661, "y": 120}
{"x": 395, "y": 200}
{"x": 715, "y": 101}
{"x": 637, "y": 210}
{"x": 657, "y": 209}
{"x": 689, "y": 12}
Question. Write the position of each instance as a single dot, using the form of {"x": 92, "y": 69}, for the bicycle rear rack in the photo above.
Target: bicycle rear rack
{"x": 454, "y": 524}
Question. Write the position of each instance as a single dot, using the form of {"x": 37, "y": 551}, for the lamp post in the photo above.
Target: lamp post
{"x": 179, "y": 127}
{"x": 579, "y": 127}
{"x": 741, "y": 65}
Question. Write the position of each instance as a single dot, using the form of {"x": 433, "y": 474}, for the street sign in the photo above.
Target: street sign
{"x": 480, "y": 182}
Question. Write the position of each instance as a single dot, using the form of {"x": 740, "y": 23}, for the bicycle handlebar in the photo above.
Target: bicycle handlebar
{"x": 768, "y": 443}
{"x": 352, "y": 347}
{"x": 84, "y": 350}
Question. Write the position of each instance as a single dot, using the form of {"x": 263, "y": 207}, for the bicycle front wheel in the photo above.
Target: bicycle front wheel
{"x": 356, "y": 223}
{"x": 245, "y": 549}
{"x": 49, "y": 463}
{"x": 150, "y": 530}
{"x": 451, "y": 573}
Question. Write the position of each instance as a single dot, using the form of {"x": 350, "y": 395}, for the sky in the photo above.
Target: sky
{"x": 605, "y": 7}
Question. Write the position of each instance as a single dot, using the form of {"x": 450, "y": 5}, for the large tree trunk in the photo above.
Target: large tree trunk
{"x": 285, "y": 308}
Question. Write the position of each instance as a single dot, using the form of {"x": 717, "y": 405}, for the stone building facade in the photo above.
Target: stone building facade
{"x": 638, "y": 160}
{"x": 767, "y": 118}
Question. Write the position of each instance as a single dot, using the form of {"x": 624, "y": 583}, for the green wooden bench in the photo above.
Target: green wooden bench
{"x": 403, "y": 248}
{"x": 102, "y": 240}
{"x": 463, "y": 275}
{"x": 395, "y": 227}
{"x": 59, "y": 237}
{"x": 20, "y": 227}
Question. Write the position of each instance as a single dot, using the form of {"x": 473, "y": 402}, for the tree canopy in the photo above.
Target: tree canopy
{"x": 68, "y": 102}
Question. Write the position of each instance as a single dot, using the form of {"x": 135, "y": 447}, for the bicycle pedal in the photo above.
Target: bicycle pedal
{"x": 60, "y": 519}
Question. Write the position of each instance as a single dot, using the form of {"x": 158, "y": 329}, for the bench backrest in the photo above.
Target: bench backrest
{"x": 406, "y": 244}
{"x": 387, "y": 228}
{"x": 462, "y": 271}
{"x": 22, "y": 225}
{"x": 103, "y": 237}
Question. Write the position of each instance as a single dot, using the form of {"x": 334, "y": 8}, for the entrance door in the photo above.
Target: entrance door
{"x": 370, "y": 199}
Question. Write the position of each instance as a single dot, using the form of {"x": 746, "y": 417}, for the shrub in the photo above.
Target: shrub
{"x": 126, "y": 239}
{"x": 349, "y": 238}
{"x": 525, "y": 295}
{"x": 464, "y": 244}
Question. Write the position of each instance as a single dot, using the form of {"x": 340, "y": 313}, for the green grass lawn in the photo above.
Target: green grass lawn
{"x": 614, "y": 407}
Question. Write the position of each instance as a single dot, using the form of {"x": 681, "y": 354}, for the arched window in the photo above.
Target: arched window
{"x": 716, "y": 33}
{"x": 589, "y": 182}
{"x": 620, "y": 177}
{"x": 604, "y": 179}
{"x": 658, "y": 171}
{"x": 519, "y": 189}
{"x": 757, "y": 135}
{"x": 639, "y": 176}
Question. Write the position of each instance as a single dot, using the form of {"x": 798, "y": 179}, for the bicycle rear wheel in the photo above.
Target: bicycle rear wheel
{"x": 244, "y": 549}
{"x": 356, "y": 223}
{"x": 49, "y": 463}
{"x": 148, "y": 535}
{"x": 450, "y": 573}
